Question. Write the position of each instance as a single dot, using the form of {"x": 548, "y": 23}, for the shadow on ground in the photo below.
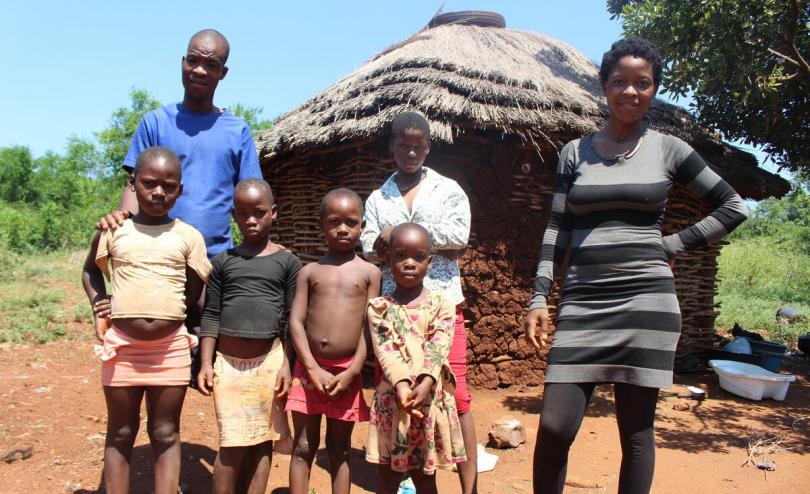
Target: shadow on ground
{"x": 364, "y": 474}
{"x": 720, "y": 423}
{"x": 531, "y": 401}
{"x": 193, "y": 473}
{"x": 727, "y": 421}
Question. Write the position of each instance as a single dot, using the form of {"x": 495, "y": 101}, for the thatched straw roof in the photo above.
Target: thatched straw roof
{"x": 480, "y": 78}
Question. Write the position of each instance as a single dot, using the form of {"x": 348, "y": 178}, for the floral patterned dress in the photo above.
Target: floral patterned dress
{"x": 410, "y": 341}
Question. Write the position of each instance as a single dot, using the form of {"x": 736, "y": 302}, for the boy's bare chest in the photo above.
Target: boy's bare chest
{"x": 338, "y": 282}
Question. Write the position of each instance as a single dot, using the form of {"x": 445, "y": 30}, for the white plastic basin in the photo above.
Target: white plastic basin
{"x": 751, "y": 381}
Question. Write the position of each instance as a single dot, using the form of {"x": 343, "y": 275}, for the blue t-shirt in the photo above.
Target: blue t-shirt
{"x": 216, "y": 151}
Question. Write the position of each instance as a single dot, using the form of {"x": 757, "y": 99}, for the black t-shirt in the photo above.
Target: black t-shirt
{"x": 249, "y": 297}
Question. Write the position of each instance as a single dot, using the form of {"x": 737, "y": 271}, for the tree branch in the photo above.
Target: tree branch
{"x": 784, "y": 57}
{"x": 791, "y": 41}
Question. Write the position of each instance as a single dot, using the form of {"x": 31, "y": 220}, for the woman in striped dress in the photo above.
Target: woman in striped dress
{"x": 619, "y": 319}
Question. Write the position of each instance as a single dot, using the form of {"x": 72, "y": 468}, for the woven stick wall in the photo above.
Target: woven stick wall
{"x": 509, "y": 185}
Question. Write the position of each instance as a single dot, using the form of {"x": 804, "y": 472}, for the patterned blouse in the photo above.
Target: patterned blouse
{"x": 441, "y": 206}
{"x": 410, "y": 341}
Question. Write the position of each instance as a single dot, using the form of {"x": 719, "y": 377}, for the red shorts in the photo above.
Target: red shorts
{"x": 304, "y": 398}
{"x": 458, "y": 363}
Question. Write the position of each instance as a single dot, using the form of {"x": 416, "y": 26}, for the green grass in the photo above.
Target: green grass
{"x": 40, "y": 295}
{"x": 756, "y": 278}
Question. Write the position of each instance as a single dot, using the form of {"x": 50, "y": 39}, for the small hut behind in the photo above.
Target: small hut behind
{"x": 501, "y": 103}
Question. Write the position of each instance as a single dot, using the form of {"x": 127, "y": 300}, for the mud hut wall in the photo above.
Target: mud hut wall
{"x": 510, "y": 187}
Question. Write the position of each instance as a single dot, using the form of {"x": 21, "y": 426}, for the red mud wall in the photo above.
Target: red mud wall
{"x": 509, "y": 186}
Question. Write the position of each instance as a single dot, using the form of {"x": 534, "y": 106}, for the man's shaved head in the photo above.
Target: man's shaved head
{"x": 215, "y": 36}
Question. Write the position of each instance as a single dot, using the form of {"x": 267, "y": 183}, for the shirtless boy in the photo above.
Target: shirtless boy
{"x": 326, "y": 325}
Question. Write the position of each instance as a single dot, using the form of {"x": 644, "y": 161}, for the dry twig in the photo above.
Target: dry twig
{"x": 764, "y": 444}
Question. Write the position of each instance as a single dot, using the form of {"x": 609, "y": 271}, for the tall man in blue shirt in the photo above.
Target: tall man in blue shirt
{"x": 215, "y": 146}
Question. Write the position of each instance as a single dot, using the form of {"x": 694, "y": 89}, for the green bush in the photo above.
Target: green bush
{"x": 756, "y": 278}
{"x": 52, "y": 202}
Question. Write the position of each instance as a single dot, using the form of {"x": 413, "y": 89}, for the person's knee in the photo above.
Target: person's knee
{"x": 305, "y": 450}
{"x": 338, "y": 449}
{"x": 122, "y": 437}
{"x": 163, "y": 434}
{"x": 559, "y": 432}
{"x": 639, "y": 443}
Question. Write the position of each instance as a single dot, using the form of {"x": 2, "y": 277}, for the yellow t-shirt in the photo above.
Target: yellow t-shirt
{"x": 149, "y": 268}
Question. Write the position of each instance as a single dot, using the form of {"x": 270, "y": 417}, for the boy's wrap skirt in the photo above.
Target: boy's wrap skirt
{"x": 244, "y": 399}
{"x": 350, "y": 406}
{"x": 127, "y": 361}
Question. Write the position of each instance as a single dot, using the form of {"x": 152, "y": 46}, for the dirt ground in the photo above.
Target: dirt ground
{"x": 52, "y": 401}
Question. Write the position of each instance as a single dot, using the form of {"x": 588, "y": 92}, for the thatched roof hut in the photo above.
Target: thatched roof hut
{"x": 501, "y": 102}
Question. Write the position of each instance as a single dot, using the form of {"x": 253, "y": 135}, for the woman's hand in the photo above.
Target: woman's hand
{"x": 535, "y": 318}
{"x": 381, "y": 243}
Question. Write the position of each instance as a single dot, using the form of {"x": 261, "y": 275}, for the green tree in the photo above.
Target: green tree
{"x": 746, "y": 63}
{"x": 784, "y": 221}
{"x": 52, "y": 201}
{"x": 115, "y": 139}
{"x": 16, "y": 174}
{"x": 251, "y": 116}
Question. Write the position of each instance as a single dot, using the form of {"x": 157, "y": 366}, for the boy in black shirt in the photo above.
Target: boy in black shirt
{"x": 249, "y": 291}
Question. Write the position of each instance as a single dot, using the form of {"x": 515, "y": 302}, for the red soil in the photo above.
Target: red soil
{"x": 52, "y": 401}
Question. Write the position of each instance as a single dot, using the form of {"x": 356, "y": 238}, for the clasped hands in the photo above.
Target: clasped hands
{"x": 414, "y": 397}
{"x": 330, "y": 384}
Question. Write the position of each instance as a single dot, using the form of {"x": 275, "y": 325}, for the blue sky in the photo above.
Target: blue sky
{"x": 72, "y": 63}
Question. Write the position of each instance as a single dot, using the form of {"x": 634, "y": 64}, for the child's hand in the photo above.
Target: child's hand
{"x": 340, "y": 383}
{"x": 102, "y": 324}
{"x": 102, "y": 307}
{"x": 320, "y": 378}
{"x": 205, "y": 379}
{"x": 403, "y": 390}
{"x": 283, "y": 381}
{"x": 420, "y": 396}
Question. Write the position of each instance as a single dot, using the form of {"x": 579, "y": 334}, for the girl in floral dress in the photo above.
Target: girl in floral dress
{"x": 414, "y": 422}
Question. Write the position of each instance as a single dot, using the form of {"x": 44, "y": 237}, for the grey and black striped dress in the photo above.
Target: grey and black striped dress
{"x": 619, "y": 319}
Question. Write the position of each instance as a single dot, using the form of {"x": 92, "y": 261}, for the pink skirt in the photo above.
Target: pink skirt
{"x": 127, "y": 361}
